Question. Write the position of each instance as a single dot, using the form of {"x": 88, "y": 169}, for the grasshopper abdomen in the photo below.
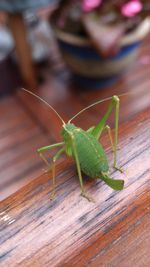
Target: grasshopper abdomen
{"x": 92, "y": 157}
{"x": 91, "y": 154}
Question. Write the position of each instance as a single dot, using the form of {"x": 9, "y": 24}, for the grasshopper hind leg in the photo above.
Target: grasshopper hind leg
{"x": 118, "y": 169}
{"x": 114, "y": 147}
{"x": 101, "y": 126}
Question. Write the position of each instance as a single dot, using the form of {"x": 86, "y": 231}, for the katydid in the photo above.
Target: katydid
{"x": 85, "y": 148}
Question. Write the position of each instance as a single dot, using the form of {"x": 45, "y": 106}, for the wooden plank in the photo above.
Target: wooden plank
{"x": 70, "y": 231}
{"x": 20, "y": 136}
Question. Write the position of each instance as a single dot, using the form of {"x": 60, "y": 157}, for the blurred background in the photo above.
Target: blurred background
{"x": 71, "y": 54}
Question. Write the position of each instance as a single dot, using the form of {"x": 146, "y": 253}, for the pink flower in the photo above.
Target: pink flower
{"x": 89, "y": 5}
{"x": 131, "y": 8}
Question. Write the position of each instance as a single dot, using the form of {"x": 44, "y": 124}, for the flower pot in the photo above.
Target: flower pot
{"x": 89, "y": 69}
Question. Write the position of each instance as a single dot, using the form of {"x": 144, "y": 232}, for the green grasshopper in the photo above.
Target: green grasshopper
{"x": 85, "y": 148}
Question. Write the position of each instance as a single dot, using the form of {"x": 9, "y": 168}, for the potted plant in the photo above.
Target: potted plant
{"x": 99, "y": 39}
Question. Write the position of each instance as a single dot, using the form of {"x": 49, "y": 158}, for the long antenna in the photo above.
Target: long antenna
{"x": 95, "y": 103}
{"x": 42, "y": 100}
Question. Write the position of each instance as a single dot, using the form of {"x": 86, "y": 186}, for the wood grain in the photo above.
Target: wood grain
{"x": 70, "y": 231}
{"x": 20, "y": 137}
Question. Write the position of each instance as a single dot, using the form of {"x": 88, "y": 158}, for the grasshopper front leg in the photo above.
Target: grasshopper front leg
{"x": 55, "y": 158}
{"x": 44, "y": 149}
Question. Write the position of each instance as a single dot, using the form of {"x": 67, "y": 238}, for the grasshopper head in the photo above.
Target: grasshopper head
{"x": 66, "y": 134}
{"x": 67, "y": 128}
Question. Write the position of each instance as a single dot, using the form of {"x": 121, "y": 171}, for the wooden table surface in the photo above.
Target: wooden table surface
{"x": 20, "y": 136}
{"x": 70, "y": 231}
